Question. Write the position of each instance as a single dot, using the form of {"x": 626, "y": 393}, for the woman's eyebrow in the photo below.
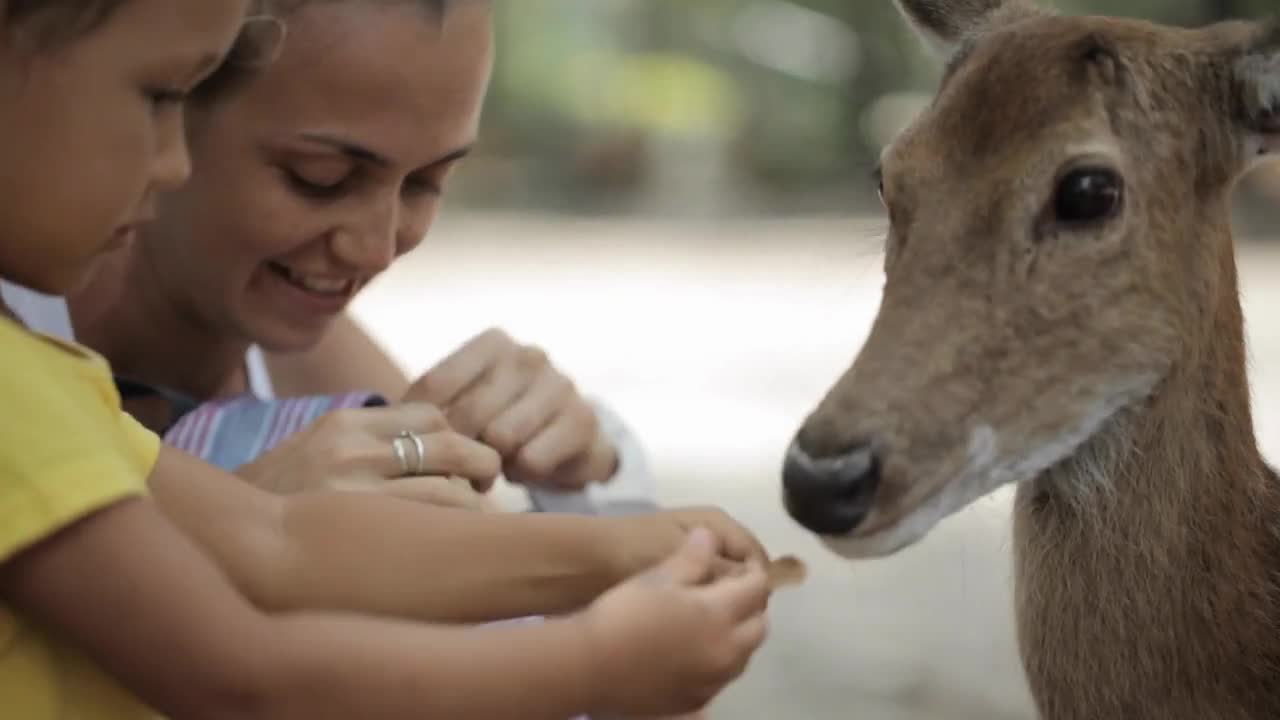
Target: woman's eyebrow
{"x": 359, "y": 152}
{"x": 451, "y": 156}
{"x": 347, "y": 147}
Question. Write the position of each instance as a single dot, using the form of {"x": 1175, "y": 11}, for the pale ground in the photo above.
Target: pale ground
{"x": 714, "y": 341}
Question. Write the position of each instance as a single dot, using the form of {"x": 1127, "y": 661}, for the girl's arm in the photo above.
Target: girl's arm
{"x": 129, "y": 590}
{"x": 378, "y": 554}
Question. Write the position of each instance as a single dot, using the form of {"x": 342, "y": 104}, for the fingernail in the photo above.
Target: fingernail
{"x": 701, "y": 536}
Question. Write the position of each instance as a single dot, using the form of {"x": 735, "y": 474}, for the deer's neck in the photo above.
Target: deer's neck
{"x": 1146, "y": 563}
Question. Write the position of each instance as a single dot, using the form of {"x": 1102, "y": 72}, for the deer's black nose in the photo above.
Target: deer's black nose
{"x": 830, "y": 495}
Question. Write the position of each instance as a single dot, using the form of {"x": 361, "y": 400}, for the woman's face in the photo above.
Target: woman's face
{"x": 314, "y": 175}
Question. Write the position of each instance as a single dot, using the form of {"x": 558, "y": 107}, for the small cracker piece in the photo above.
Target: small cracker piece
{"x": 786, "y": 570}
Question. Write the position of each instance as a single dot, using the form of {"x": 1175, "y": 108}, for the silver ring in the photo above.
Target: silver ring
{"x": 401, "y": 456}
{"x": 419, "y": 452}
{"x": 421, "y": 447}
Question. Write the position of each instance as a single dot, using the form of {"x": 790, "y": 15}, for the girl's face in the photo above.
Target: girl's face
{"x": 91, "y": 129}
{"x": 314, "y": 175}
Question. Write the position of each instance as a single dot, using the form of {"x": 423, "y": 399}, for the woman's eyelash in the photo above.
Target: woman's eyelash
{"x": 313, "y": 189}
{"x": 167, "y": 96}
{"x": 413, "y": 185}
{"x": 421, "y": 186}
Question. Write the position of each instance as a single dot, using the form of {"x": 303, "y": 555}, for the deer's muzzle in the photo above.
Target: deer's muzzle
{"x": 830, "y": 495}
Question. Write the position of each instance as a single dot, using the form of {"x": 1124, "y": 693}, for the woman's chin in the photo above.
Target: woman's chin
{"x": 288, "y": 338}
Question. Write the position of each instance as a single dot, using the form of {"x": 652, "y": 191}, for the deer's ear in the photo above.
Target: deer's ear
{"x": 1256, "y": 71}
{"x": 946, "y": 24}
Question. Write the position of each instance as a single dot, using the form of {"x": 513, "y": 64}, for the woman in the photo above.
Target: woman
{"x": 313, "y": 174}
{"x": 376, "y": 99}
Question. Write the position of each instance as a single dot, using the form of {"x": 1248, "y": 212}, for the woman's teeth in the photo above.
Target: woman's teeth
{"x": 318, "y": 285}
{"x": 323, "y": 285}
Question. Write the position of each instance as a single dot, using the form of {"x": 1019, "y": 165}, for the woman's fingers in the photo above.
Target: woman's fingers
{"x": 445, "y": 382}
{"x": 445, "y": 453}
{"x": 477, "y": 407}
{"x": 388, "y": 421}
{"x": 570, "y": 453}
{"x": 519, "y": 423}
{"x": 403, "y": 440}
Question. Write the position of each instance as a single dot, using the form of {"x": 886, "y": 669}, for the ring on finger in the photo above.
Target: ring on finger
{"x": 419, "y": 448}
{"x": 402, "y": 456}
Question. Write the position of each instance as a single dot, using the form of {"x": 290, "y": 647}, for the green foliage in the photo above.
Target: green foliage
{"x": 791, "y": 95}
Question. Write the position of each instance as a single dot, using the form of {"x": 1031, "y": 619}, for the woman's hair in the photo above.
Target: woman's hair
{"x": 49, "y": 22}
{"x": 263, "y": 33}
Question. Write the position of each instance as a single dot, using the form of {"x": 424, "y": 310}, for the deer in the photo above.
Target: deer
{"x": 1061, "y": 315}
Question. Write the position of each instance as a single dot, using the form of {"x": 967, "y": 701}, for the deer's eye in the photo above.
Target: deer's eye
{"x": 1088, "y": 195}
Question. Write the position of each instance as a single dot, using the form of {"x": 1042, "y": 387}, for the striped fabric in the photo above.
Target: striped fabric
{"x": 230, "y": 433}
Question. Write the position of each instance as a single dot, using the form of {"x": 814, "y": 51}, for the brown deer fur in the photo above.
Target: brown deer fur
{"x": 1101, "y": 367}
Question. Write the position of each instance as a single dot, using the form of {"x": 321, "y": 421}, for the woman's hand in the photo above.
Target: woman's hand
{"x": 510, "y": 397}
{"x": 355, "y": 450}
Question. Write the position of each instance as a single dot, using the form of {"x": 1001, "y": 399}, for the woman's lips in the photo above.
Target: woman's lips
{"x": 329, "y": 287}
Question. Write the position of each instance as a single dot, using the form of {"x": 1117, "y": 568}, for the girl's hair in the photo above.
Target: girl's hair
{"x": 49, "y": 22}
{"x": 260, "y": 39}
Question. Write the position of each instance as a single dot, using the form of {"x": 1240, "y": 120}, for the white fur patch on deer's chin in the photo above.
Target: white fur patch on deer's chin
{"x": 989, "y": 466}
{"x": 1263, "y": 74}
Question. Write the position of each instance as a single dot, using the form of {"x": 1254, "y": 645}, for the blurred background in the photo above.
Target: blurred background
{"x": 714, "y": 107}
{"x": 672, "y": 197}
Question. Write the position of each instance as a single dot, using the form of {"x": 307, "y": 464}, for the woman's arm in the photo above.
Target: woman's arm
{"x": 371, "y": 553}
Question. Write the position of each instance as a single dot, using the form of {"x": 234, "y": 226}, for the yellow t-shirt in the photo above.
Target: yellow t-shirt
{"x": 66, "y": 450}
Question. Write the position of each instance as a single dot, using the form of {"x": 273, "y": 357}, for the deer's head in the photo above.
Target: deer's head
{"x": 1059, "y": 219}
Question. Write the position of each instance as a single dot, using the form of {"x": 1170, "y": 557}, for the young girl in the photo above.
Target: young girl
{"x": 107, "y": 607}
